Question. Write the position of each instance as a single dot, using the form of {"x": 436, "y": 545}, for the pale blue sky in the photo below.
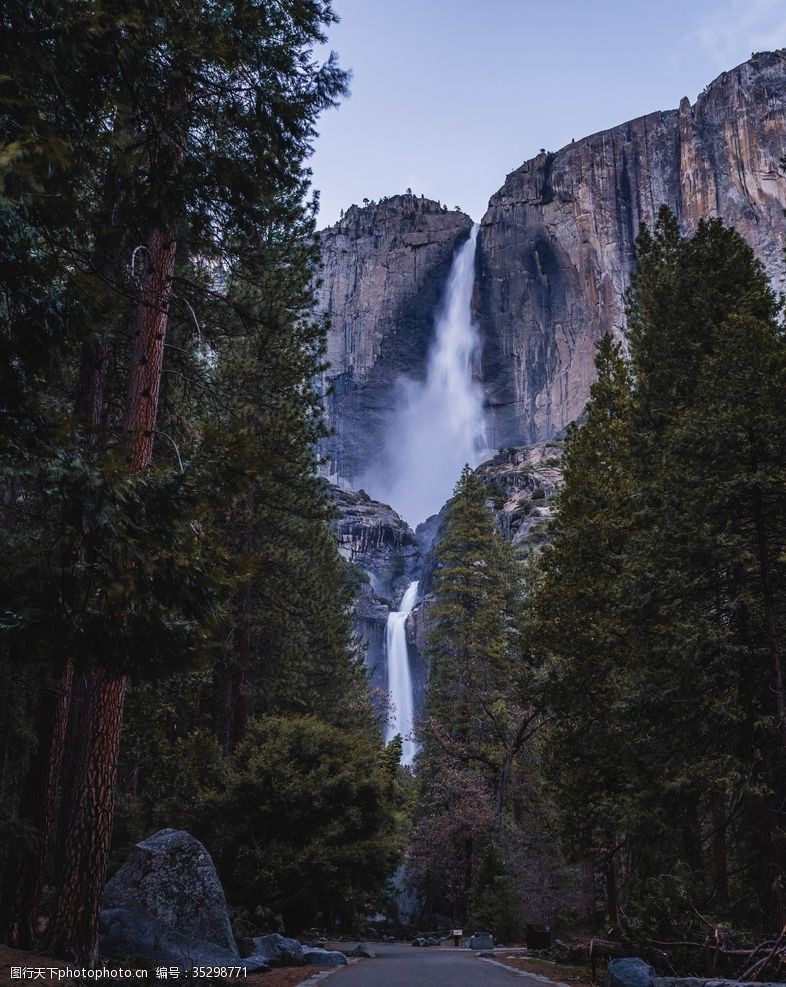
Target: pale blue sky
{"x": 448, "y": 96}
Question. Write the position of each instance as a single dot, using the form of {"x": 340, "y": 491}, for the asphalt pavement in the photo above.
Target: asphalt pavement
{"x": 400, "y": 965}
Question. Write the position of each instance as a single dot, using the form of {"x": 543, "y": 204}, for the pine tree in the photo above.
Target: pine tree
{"x": 479, "y": 710}
{"x": 577, "y": 626}
{"x": 661, "y": 596}
{"x": 146, "y": 179}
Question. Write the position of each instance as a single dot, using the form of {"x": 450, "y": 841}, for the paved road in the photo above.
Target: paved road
{"x": 407, "y": 966}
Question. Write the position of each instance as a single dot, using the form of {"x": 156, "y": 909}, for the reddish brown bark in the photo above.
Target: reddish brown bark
{"x": 144, "y": 381}
{"x": 90, "y": 833}
{"x": 90, "y": 827}
{"x": 57, "y": 719}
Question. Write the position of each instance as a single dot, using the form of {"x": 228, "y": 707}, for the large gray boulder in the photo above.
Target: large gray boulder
{"x": 629, "y": 971}
{"x": 323, "y": 957}
{"x": 171, "y": 877}
{"x": 278, "y": 950}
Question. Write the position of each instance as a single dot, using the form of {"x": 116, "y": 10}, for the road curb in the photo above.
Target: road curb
{"x": 321, "y": 975}
{"x": 523, "y": 973}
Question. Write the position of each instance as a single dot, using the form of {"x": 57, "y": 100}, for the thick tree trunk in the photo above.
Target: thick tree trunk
{"x": 587, "y": 887}
{"x": 691, "y": 842}
{"x": 144, "y": 382}
{"x": 90, "y": 834}
{"x": 239, "y": 702}
{"x": 71, "y": 773}
{"x": 503, "y": 778}
{"x": 90, "y": 828}
{"x": 56, "y": 721}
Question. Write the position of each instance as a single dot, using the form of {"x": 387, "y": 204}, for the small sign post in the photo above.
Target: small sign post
{"x": 457, "y": 934}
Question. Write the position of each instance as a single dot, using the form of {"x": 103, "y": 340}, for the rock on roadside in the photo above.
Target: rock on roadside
{"x": 278, "y": 950}
{"x": 323, "y": 957}
{"x": 629, "y": 971}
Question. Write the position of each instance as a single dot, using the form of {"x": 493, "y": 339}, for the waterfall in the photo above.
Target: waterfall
{"x": 399, "y": 677}
{"x": 440, "y": 424}
{"x": 438, "y": 428}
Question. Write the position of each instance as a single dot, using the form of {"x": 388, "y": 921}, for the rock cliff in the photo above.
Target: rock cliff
{"x": 384, "y": 269}
{"x": 554, "y": 257}
{"x": 555, "y": 249}
{"x": 377, "y": 541}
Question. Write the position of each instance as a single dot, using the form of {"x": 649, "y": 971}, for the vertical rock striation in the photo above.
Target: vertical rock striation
{"x": 384, "y": 272}
{"x": 555, "y": 249}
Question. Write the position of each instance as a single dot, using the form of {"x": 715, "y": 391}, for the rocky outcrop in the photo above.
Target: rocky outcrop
{"x": 555, "y": 249}
{"x": 522, "y": 484}
{"x": 554, "y": 258}
{"x": 384, "y": 271}
{"x": 374, "y": 537}
{"x": 387, "y": 552}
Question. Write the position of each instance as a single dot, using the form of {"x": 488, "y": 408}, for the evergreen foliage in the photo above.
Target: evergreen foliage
{"x": 661, "y": 599}
{"x": 478, "y": 707}
{"x": 165, "y": 538}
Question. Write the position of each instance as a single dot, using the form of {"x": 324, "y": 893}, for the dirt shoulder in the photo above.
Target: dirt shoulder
{"x": 562, "y": 973}
{"x": 41, "y": 970}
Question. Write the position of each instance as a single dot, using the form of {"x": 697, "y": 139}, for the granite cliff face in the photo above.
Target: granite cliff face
{"x": 384, "y": 272}
{"x": 555, "y": 249}
{"x": 554, "y": 257}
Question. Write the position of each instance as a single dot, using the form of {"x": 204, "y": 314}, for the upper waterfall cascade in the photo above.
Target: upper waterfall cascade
{"x": 440, "y": 424}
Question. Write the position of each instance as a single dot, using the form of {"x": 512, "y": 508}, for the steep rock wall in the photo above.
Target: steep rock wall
{"x": 374, "y": 538}
{"x": 384, "y": 272}
{"x": 555, "y": 249}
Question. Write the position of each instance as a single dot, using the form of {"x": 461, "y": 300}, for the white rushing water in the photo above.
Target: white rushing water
{"x": 399, "y": 677}
{"x": 440, "y": 424}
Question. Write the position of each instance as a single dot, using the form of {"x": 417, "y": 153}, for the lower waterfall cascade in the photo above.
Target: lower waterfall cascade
{"x": 400, "y": 676}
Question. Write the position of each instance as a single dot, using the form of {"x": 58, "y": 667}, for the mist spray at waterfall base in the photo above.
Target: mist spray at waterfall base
{"x": 439, "y": 425}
